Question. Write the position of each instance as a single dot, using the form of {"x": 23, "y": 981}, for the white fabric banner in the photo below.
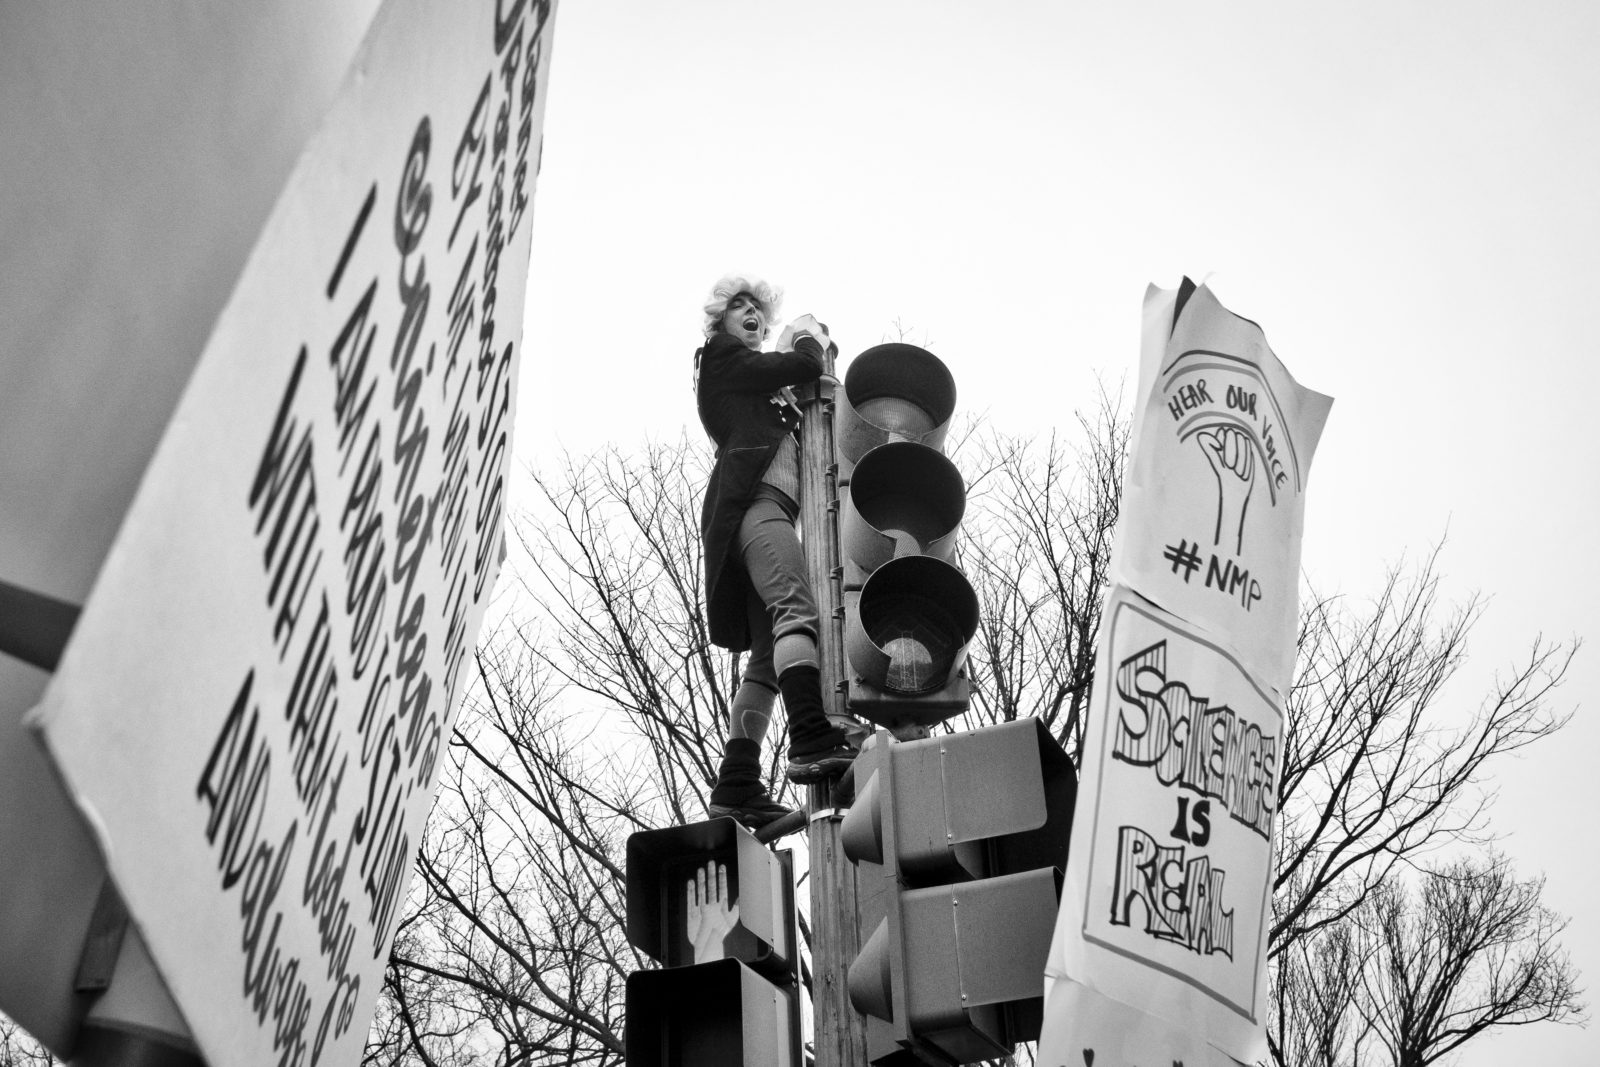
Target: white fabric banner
{"x": 1214, "y": 501}
{"x": 1159, "y": 952}
{"x": 252, "y": 710}
{"x": 1166, "y": 899}
{"x": 1084, "y": 1029}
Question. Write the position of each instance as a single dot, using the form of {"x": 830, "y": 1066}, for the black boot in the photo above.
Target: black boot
{"x": 739, "y": 793}
{"x": 818, "y": 750}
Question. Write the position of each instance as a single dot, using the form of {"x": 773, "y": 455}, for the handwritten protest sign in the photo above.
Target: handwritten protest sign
{"x": 1214, "y": 501}
{"x": 1177, "y": 801}
{"x": 253, "y": 708}
{"x": 1167, "y": 896}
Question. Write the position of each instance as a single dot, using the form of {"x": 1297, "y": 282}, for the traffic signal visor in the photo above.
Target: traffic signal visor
{"x": 892, "y": 392}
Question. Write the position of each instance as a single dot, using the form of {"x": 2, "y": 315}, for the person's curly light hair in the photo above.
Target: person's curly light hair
{"x": 767, "y": 295}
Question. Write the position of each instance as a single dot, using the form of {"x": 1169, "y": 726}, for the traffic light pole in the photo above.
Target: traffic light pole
{"x": 840, "y": 1032}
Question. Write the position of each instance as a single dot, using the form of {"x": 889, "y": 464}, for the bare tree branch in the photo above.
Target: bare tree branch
{"x": 603, "y": 710}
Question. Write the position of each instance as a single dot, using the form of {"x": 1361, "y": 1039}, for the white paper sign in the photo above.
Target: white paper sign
{"x": 253, "y": 707}
{"x": 1214, "y": 501}
{"x": 1167, "y": 893}
{"x": 1084, "y": 1029}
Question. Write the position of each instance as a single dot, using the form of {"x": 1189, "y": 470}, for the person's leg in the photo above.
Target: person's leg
{"x": 818, "y": 750}
{"x": 751, "y": 711}
{"x": 776, "y": 566}
{"x": 739, "y": 792}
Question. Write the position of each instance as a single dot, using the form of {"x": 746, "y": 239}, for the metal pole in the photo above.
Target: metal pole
{"x": 840, "y": 1032}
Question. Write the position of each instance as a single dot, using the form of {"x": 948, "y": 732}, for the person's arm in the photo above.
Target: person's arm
{"x": 736, "y": 367}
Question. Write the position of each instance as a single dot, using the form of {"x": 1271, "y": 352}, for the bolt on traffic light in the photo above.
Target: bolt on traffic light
{"x": 960, "y": 842}
{"x": 716, "y": 909}
{"x": 909, "y": 611}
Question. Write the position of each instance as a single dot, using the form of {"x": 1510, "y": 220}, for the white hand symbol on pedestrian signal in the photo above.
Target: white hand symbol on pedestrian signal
{"x": 712, "y": 915}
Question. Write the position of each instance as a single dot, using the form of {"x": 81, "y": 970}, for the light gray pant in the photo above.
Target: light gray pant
{"x": 782, "y": 610}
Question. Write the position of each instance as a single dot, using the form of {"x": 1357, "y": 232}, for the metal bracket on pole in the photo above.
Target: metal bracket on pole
{"x": 34, "y": 627}
{"x": 103, "y": 941}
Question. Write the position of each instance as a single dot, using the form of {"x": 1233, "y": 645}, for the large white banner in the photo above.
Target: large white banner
{"x": 1166, "y": 900}
{"x": 1083, "y": 1028}
{"x": 253, "y": 707}
{"x": 1214, "y": 501}
{"x": 139, "y": 158}
{"x": 1159, "y": 952}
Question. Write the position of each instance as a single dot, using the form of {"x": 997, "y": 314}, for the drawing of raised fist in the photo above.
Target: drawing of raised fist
{"x": 1231, "y": 453}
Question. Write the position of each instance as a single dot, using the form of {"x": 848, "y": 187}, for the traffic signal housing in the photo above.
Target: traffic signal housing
{"x": 909, "y": 611}
{"x": 741, "y": 1008}
{"x": 960, "y": 842}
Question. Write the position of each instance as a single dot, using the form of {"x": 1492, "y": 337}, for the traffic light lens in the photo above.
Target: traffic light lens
{"x": 898, "y": 418}
{"x": 919, "y": 613}
{"x": 920, "y": 639}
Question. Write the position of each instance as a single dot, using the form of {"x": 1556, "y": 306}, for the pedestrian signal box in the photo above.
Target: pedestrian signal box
{"x": 909, "y": 611}
{"x": 664, "y": 864}
{"x": 715, "y": 908}
{"x": 960, "y": 842}
{"x": 714, "y": 1013}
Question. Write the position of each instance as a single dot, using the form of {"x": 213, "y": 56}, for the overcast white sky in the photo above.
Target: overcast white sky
{"x": 1405, "y": 195}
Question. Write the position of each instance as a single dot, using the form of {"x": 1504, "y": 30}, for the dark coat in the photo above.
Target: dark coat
{"x": 733, "y": 392}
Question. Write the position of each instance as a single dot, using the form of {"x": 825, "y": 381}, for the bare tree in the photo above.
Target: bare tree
{"x": 19, "y": 1049}
{"x": 1314, "y": 1022}
{"x": 604, "y": 710}
{"x": 1038, "y": 552}
{"x": 602, "y": 715}
{"x": 1471, "y": 949}
{"x": 1380, "y": 769}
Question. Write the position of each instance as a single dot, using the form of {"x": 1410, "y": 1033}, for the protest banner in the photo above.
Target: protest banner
{"x": 252, "y": 711}
{"x": 1159, "y": 953}
{"x": 1171, "y": 860}
{"x": 141, "y": 158}
{"x": 1214, "y": 499}
{"x": 1083, "y": 1028}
